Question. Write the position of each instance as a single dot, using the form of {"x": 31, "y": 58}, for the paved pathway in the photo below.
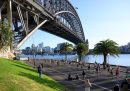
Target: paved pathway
{"x": 101, "y": 81}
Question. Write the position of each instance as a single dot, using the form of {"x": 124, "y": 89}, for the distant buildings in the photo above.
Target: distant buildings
{"x": 125, "y": 48}
{"x": 48, "y": 50}
{"x": 57, "y": 48}
{"x": 39, "y": 49}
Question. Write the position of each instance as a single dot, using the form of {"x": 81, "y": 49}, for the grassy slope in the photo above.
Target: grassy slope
{"x": 17, "y": 76}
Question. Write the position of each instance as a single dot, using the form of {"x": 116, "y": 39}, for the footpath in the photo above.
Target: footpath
{"x": 101, "y": 81}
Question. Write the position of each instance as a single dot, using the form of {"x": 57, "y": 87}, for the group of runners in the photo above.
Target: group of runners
{"x": 113, "y": 70}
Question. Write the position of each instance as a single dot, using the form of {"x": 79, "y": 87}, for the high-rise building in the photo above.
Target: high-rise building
{"x": 40, "y": 48}
{"x": 57, "y": 48}
{"x": 40, "y": 45}
{"x": 47, "y": 49}
{"x": 33, "y": 46}
{"x": 125, "y": 48}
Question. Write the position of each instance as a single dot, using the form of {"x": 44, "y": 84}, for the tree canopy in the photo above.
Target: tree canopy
{"x": 5, "y": 35}
{"x": 106, "y": 47}
{"x": 65, "y": 48}
{"x": 81, "y": 50}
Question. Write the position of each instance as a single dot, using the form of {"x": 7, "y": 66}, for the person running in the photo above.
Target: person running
{"x": 111, "y": 71}
{"x": 77, "y": 77}
{"x": 107, "y": 65}
{"x": 69, "y": 77}
{"x": 99, "y": 68}
{"x": 95, "y": 65}
{"x": 77, "y": 65}
{"x": 109, "y": 68}
{"x": 89, "y": 67}
{"x": 116, "y": 87}
{"x": 87, "y": 85}
{"x": 125, "y": 85}
{"x": 117, "y": 70}
{"x": 28, "y": 58}
{"x": 39, "y": 69}
{"x": 42, "y": 64}
{"x": 83, "y": 74}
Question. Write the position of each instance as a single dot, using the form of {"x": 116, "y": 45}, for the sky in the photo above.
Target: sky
{"x": 101, "y": 19}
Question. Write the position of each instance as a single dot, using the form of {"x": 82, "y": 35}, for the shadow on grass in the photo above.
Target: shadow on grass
{"x": 24, "y": 67}
{"x": 21, "y": 63}
{"x": 43, "y": 81}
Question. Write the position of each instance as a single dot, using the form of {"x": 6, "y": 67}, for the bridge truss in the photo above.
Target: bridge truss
{"x": 54, "y": 16}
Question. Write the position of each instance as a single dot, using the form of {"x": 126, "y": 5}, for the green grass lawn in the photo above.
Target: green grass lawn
{"x": 17, "y": 76}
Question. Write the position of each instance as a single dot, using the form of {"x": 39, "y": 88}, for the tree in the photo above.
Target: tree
{"x": 106, "y": 47}
{"x": 5, "y": 36}
{"x": 65, "y": 48}
{"x": 81, "y": 50}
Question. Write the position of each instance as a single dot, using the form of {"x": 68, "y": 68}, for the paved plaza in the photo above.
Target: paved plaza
{"x": 101, "y": 81}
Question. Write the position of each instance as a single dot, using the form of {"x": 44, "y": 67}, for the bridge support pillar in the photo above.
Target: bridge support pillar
{"x": 9, "y": 12}
{"x": 1, "y": 8}
{"x": 41, "y": 24}
{"x": 9, "y": 18}
{"x": 0, "y": 13}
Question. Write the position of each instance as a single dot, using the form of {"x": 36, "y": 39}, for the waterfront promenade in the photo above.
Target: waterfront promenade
{"x": 101, "y": 81}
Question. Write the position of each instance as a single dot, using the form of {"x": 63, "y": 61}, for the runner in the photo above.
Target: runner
{"x": 87, "y": 85}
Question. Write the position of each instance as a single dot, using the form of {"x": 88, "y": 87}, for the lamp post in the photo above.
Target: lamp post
{"x": 108, "y": 58}
{"x": 33, "y": 52}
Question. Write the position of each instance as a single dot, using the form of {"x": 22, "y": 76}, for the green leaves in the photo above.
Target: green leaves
{"x": 106, "y": 47}
{"x": 5, "y": 35}
{"x": 81, "y": 49}
{"x": 66, "y": 47}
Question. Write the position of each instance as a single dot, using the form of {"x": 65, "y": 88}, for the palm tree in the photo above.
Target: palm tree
{"x": 106, "y": 47}
{"x": 81, "y": 50}
{"x": 65, "y": 48}
{"x": 5, "y": 36}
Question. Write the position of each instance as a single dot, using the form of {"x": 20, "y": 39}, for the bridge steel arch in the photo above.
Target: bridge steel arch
{"x": 71, "y": 16}
{"x": 25, "y": 16}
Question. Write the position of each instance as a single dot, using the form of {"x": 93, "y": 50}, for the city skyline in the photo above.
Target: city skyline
{"x": 101, "y": 20}
{"x": 41, "y": 45}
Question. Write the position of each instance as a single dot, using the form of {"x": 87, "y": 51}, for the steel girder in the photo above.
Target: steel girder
{"x": 26, "y": 15}
{"x": 55, "y": 6}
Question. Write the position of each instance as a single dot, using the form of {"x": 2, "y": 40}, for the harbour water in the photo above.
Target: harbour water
{"x": 122, "y": 59}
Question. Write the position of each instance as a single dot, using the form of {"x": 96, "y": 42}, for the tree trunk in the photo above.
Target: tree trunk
{"x": 80, "y": 57}
{"x": 105, "y": 61}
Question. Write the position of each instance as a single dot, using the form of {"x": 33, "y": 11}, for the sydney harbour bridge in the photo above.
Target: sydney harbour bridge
{"x": 57, "y": 17}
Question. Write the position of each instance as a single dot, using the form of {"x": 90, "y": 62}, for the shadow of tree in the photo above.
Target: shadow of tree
{"x": 27, "y": 68}
{"x": 44, "y": 81}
